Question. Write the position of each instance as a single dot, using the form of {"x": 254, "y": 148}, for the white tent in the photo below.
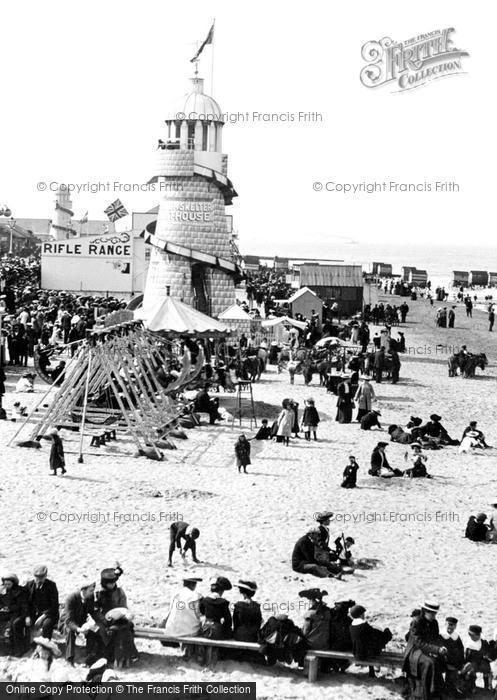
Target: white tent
{"x": 173, "y": 316}
{"x": 235, "y": 313}
{"x": 283, "y": 320}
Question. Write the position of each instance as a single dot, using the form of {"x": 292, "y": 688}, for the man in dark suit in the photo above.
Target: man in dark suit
{"x": 78, "y": 606}
{"x": 43, "y": 602}
{"x": 379, "y": 363}
{"x": 303, "y": 555}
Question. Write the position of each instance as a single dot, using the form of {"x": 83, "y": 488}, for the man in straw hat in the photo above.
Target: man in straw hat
{"x": 183, "y": 618}
{"x": 425, "y": 655}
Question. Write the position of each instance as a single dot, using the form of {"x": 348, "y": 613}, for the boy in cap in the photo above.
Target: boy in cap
{"x": 367, "y": 641}
{"x": 477, "y": 657}
{"x": 454, "y": 660}
{"x": 43, "y": 602}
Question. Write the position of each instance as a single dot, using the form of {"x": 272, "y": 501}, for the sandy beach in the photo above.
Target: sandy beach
{"x": 112, "y": 508}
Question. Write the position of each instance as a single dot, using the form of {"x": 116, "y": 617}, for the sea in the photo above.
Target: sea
{"x": 439, "y": 261}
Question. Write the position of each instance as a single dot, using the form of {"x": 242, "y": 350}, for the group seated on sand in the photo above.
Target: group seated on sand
{"x": 477, "y": 530}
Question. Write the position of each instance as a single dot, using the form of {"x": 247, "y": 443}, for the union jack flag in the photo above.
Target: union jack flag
{"x": 116, "y": 210}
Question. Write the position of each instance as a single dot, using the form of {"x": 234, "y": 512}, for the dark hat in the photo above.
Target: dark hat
{"x": 191, "y": 579}
{"x": 481, "y": 517}
{"x": 247, "y": 586}
{"x": 474, "y": 629}
{"x": 108, "y": 575}
{"x": 473, "y": 422}
{"x": 382, "y": 444}
{"x": 375, "y": 411}
{"x": 222, "y": 582}
{"x": 453, "y": 620}
{"x": 435, "y": 418}
{"x": 356, "y": 611}
{"x": 312, "y": 593}
{"x": 324, "y": 515}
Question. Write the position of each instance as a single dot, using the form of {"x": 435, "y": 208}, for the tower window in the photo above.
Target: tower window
{"x": 205, "y": 136}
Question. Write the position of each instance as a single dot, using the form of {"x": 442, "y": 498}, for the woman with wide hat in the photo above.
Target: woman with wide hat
{"x": 344, "y": 401}
{"x": 247, "y": 617}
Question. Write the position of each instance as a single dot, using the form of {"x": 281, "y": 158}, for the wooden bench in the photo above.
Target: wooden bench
{"x": 392, "y": 660}
{"x": 159, "y": 634}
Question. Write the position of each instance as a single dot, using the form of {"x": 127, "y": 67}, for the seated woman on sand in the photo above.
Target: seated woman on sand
{"x": 380, "y": 465}
{"x": 471, "y": 442}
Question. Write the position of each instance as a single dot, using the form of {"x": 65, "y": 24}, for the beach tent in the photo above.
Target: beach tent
{"x": 174, "y": 316}
{"x": 235, "y": 313}
{"x": 283, "y": 320}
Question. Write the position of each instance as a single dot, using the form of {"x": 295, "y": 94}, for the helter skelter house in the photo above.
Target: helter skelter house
{"x": 191, "y": 258}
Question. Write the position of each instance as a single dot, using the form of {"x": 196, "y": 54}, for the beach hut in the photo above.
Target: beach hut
{"x": 251, "y": 263}
{"x": 492, "y": 279}
{"x": 460, "y": 278}
{"x": 478, "y": 278}
{"x": 382, "y": 269}
{"x": 418, "y": 278}
{"x": 341, "y": 283}
{"x": 406, "y": 271}
{"x": 304, "y": 302}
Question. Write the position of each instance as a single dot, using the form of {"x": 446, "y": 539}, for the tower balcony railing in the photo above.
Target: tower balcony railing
{"x": 176, "y": 144}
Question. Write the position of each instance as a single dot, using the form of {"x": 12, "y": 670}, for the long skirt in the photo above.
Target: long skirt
{"x": 344, "y": 413}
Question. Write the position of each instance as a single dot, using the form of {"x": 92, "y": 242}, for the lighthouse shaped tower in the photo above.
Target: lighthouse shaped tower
{"x": 62, "y": 222}
{"x": 191, "y": 258}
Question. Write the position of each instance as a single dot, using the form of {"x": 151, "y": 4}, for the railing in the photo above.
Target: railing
{"x": 176, "y": 144}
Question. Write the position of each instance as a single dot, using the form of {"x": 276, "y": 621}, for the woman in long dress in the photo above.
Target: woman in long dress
{"x": 344, "y": 402}
{"x": 364, "y": 397}
{"x": 285, "y": 422}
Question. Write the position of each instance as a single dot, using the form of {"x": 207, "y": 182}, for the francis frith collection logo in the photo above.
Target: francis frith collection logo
{"x": 409, "y": 64}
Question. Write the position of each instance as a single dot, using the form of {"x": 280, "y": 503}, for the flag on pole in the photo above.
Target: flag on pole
{"x": 84, "y": 219}
{"x": 209, "y": 39}
{"x": 116, "y": 210}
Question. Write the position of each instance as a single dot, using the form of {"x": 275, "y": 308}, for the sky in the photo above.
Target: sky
{"x": 86, "y": 87}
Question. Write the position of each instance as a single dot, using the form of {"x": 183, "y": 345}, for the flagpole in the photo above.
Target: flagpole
{"x": 212, "y": 56}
